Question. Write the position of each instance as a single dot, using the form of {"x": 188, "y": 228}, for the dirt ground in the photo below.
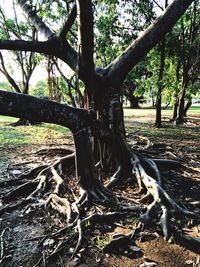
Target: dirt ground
{"x": 25, "y": 232}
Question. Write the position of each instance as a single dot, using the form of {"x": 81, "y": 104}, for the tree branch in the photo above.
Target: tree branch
{"x": 51, "y": 47}
{"x": 62, "y": 50}
{"x": 7, "y": 75}
{"x": 35, "y": 109}
{"x": 85, "y": 40}
{"x": 121, "y": 66}
{"x": 37, "y": 21}
{"x": 69, "y": 22}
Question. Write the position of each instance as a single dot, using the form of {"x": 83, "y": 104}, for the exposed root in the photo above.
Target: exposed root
{"x": 80, "y": 236}
{"x": 167, "y": 163}
{"x": 161, "y": 198}
{"x": 58, "y": 180}
{"x": 62, "y": 205}
{"x": 97, "y": 193}
{"x": 76, "y": 207}
{"x": 115, "y": 178}
{"x": 10, "y": 207}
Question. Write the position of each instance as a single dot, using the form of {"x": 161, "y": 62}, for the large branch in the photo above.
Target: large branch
{"x": 85, "y": 39}
{"x": 51, "y": 47}
{"x": 37, "y": 21}
{"x": 122, "y": 65}
{"x": 8, "y": 76}
{"x": 63, "y": 50}
{"x": 35, "y": 109}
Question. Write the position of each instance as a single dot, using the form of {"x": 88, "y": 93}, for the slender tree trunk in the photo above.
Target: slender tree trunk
{"x": 160, "y": 85}
{"x": 175, "y": 109}
{"x": 160, "y": 79}
{"x": 186, "y": 108}
{"x": 180, "y": 116}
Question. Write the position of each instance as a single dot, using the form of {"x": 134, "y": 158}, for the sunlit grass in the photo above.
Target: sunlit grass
{"x": 141, "y": 121}
{"x": 147, "y": 111}
{"x": 30, "y": 134}
{"x": 7, "y": 119}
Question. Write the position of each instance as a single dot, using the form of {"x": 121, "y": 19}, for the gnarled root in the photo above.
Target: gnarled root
{"x": 62, "y": 205}
{"x": 161, "y": 198}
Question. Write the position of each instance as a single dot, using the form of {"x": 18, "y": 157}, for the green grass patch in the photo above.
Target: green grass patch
{"x": 7, "y": 119}
{"x": 148, "y": 111}
{"x": 30, "y": 134}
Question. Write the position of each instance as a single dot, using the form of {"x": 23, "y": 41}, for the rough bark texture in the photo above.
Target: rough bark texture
{"x": 32, "y": 108}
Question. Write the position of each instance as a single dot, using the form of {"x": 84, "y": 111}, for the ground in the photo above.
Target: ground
{"x": 26, "y": 233}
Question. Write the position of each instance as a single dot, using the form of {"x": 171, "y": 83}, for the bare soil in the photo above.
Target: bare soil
{"x": 26, "y": 231}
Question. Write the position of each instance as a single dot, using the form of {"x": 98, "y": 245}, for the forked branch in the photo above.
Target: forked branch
{"x": 120, "y": 67}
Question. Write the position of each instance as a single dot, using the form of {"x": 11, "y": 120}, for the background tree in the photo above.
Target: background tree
{"x": 25, "y": 62}
{"x": 185, "y": 48}
{"x": 162, "y": 48}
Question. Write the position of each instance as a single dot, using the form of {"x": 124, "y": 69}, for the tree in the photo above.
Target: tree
{"x": 185, "y": 48}
{"x": 160, "y": 79}
{"x": 98, "y": 130}
{"x": 24, "y": 61}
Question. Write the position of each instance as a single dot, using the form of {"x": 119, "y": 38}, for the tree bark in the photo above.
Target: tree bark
{"x": 134, "y": 102}
{"x": 160, "y": 80}
{"x": 160, "y": 85}
{"x": 35, "y": 109}
{"x": 102, "y": 86}
{"x": 180, "y": 116}
{"x": 175, "y": 109}
{"x": 186, "y": 108}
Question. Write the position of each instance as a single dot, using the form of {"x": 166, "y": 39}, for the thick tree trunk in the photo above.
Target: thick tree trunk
{"x": 110, "y": 113}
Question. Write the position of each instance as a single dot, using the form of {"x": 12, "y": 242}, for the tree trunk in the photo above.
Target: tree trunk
{"x": 134, "y": 102}
{"x": 175, "y": 109}
{"x": 186, "y": 108}
{"x": 160, "y": 85}
{"x": 180, "y": 117}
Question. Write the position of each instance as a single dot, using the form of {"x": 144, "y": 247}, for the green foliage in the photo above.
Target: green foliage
{"x": 40, "y": 89}
{"x": 117, "y": 24}
{"x": 5, "y": 86}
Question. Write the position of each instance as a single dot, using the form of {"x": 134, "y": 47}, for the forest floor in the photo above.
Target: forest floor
{"x": 25, "y": 233}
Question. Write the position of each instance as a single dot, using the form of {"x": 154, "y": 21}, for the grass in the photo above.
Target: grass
{"x": 146, "y": 111}
{"x": 28, "y": 134}
{"x": 140, "y": 122}
{"x": 137, "y": 121}
{"x": 13, "y": 137}
{"x": 7, "y": 119}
